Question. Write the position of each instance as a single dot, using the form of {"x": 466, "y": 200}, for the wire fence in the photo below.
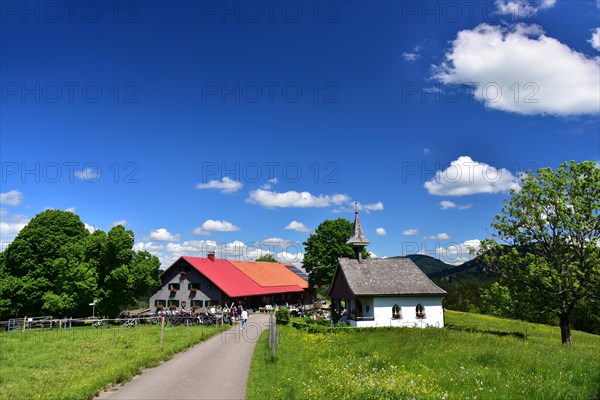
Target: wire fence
{"x": 46, "y": 330}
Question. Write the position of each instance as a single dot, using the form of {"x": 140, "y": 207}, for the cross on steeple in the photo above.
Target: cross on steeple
{"x": 358, "y": 241}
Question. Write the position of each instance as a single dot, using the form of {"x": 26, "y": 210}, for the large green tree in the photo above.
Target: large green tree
{"x": 33, "y": 265}
{"x": 545, "y": 247}
{"x": 323, "y": 248}
{"x": 55, "y": 266}
{"x": 124, "y": 274}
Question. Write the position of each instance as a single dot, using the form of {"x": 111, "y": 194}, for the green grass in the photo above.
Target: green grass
{"x": 476, "y": 356}
{"x": 77, "y": 364}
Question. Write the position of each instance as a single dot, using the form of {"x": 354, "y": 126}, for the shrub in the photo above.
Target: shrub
{"x": 282, "y": 315}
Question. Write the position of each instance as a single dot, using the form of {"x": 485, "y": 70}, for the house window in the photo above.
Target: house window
{"x": 160, "y": 303}
{"x": 174, "y": 286}
{"x": 173, "y": 303}
{"x": 420, "y": 311}
{"x": 396, "y": 312}
{"x": 192, "y": 287}
{"x": 196, "y": 303}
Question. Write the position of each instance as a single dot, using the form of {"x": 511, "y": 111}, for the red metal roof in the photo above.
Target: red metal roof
{"x": 232, "y": 281}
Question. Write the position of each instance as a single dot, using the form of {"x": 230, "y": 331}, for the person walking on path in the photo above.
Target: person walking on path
{"x": 244, "y": 319}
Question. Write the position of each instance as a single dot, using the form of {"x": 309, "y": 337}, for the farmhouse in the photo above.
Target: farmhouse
{"x": 202, "y": 282}
{"x": 384, "y": 292}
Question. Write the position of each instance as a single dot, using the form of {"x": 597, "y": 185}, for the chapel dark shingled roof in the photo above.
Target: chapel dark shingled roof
{"x": 387, "y": 277}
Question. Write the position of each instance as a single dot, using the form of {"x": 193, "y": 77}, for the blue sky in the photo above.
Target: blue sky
{"x": 240, "y": 126}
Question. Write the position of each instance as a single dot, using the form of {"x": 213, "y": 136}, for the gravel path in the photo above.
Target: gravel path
{"x": 215, "y": 369}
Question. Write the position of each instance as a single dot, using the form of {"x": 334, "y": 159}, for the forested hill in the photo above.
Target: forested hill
{"x": 463, "y": 282}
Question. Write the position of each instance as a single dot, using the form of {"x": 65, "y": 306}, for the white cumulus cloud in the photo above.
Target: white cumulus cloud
{"x": 162, "y": 234}
{"x": 270, "y": 199}
{"x": 285, "y": 257}
{"x": 153, "y": 248}
{"x": 465, "y": 176}
{"x": 88, "y": 174}
{"x": 595, "y": 39}
{"x": 410, "y": 232}
{"x": 447, "y": 205}
{"x": 380, "y": 231}
{"x": 373, "y": 207}
{"x": 90, "y": 228}
{"x": 10, "y": 226}
{"x": 297, "y": 226}
{"x": 225, "y": 185}
{"x": 211, "y": 225}
{"x": 519, "y": 69}
{"x": 440, "y": 236}
{"x": 12, "y": 198}
{"x": 523, "y": 8}
{"x": 120, "y": 222}
{"x": 460, "y": 252}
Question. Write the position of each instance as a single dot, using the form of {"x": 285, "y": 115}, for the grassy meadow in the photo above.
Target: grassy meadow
{"x": 474, "y": 357}
{"x": 78, "y": 363}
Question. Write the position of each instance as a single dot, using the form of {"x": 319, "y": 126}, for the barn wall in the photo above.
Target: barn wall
{"x": 207, "y": 290}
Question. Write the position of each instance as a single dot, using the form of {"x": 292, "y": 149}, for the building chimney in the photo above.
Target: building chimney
{"x": 211, "y": 256}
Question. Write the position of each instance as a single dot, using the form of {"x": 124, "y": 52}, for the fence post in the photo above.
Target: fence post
{"x": 162, "y": 332}
{"x": 24, "y": 323}
{"x": 273, "y": 336}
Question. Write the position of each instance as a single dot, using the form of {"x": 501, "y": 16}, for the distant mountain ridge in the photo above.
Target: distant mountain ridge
{"x": 463, "y": 282}
{"x": 440, "y": 271}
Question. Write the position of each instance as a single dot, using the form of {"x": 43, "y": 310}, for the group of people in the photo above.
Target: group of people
{"x": 235, "y": 313}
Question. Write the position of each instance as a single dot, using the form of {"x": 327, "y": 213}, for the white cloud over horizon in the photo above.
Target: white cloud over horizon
{"x": 270, "y": 199}
{"x": 211, "y": 225}
{"x": 459, "y": 253}
{"x": 465, "y": 177}
{"x": 372, "y": 207}
{"x": 90, "y": 228}
{"x": 11, "y": 198}
{"x": 523, "y": 8}
{"x": 88, "y": 175}
{"x": 225, "y": 185}
{"x": 284, "y": 251}
{"x": 10, "y": 226}
{"x": 440, "y": 236}
{"x": 297, "y": 226}
{"x": 162, "y": 234}
{"x": 410, "y": 232}
{"x": 595, "y": 39}
{"x": 519, "y": 69}
{"x": 447, "y": 205}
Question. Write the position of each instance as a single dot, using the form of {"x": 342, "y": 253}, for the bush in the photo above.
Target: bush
{"x": 282, "y": 315}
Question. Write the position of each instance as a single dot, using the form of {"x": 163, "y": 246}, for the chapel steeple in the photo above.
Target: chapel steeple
{"x": 358, "y": 241}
